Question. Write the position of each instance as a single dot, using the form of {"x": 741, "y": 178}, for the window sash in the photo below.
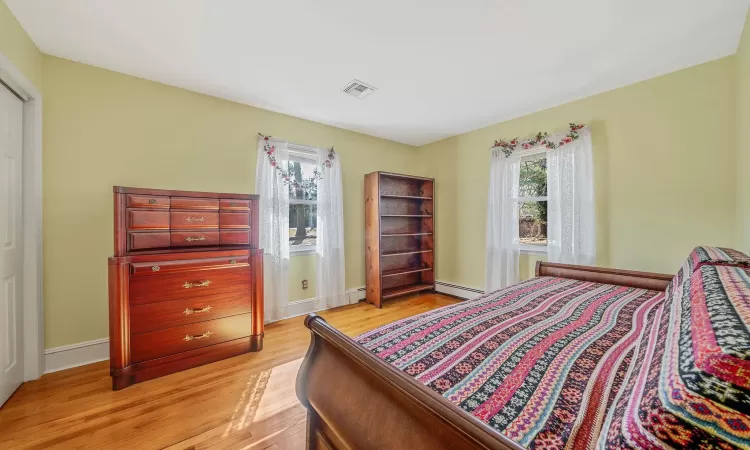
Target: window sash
{"x": 293, "y": 201}
{"x": 302, "y": 158}
{"x": 301, "y": 249}
{"x": 302, "y": 155}
{"x": 532, "y": 154}
{"x": 305, "y": 155}
{"x": 530, "y": 199}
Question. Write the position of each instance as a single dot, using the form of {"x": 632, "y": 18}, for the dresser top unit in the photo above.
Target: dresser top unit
{"x": 175, "y": 193}
{"x": 149, "y": 221}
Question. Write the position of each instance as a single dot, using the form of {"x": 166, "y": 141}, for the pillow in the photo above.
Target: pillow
{"x": 703, "y": 255}
{"x": 688, "y": 384}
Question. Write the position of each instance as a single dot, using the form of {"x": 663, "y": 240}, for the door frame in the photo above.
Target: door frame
{"x": 31, "y": 267}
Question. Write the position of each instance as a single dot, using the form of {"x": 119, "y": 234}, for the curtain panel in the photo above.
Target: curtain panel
{"x": 502, "y": 222}
{"x": 274, "y": 231}
{"x": 331, "y": 279}
{"x": 571, "y": 222}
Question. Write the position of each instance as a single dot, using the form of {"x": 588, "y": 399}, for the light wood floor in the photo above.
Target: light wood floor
{"x": 246, "y": 402}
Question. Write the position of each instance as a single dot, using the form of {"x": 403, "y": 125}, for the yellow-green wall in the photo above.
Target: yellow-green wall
{"x": 102, "y": 129}
{"x": 743, "y": 136}
{"x": 302, "y": 267}
{"x": 17, "y": 46}
{"x": 664, "y": 173}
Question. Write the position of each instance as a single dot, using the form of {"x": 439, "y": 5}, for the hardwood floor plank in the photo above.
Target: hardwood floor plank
{"x": 245, "y": 402}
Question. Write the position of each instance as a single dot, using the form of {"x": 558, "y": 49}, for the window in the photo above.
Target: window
{"x": 532, "y": 203}
{"x": 303, "y": 209}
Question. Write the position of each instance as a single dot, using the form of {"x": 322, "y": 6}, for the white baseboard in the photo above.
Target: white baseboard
{"x": 69, "y": 356}
{"x": 356, "y": 295}
{"x": 311, "y": 305}
{"x": 455, "y": 290}
{"x": 304, "y": 307}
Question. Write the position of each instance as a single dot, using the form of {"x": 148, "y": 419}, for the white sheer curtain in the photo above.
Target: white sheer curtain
{"x": 502, "y": 222}
{"x": 330, "y": 241}
{"x": 274, "y": 230}
{"x": 571, "y": 229}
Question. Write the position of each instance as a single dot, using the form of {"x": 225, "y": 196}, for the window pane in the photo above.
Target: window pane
{"x": 533, "y": 178}
{"x": 302, "y": 173}
{"x": 303, "y": 225}
{"x": 532, "y": 223}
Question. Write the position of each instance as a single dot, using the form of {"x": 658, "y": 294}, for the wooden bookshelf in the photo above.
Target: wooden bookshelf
{"x": 399, "y": 235}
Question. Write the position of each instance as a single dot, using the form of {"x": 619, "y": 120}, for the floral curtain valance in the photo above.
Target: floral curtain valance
{"x": 542, "y": 138}
{"x": 305, "y": 185}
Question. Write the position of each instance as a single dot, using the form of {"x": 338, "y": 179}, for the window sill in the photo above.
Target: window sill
{"x": 533, "y": 249}
{"x": 302, "y": 250}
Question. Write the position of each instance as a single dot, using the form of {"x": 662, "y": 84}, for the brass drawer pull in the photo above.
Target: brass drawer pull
{"x": 232, "y": 204}
{"x": 151, "y": 201}
{"x": 195, "y": 238}
{"x": 189, "y": 338}
{"x": 189, "y": 285}
{"x": 189, "y": 311}
{"x": 195, "y": 219}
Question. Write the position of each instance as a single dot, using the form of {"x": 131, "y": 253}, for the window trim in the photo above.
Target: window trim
{"x": 532, "y": 154}
{"x": 526, "y": 153}
{"x": 302, "y": 154}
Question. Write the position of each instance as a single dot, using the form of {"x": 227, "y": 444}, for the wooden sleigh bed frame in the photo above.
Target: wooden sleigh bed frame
{"x": 357, "y": 401}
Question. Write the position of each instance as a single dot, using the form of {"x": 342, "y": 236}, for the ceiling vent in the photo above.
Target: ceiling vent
{"x": 358, "y": 89}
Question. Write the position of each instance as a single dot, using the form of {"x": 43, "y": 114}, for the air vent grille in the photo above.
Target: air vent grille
{"x": 358, "y": 89}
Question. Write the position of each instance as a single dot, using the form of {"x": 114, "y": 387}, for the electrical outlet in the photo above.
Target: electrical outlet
{"x": 304, "y": 284}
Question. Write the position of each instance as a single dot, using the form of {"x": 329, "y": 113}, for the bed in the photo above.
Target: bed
{"x": 569, "y": 359}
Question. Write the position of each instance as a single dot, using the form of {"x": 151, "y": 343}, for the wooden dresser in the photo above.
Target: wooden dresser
{"x": 185, "y": 281}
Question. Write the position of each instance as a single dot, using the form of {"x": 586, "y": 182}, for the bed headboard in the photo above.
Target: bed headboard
{"x": 631, "y": 278}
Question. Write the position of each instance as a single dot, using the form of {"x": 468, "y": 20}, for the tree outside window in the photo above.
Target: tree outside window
{"x": 532, "y": 201}
{"x": 303, "y": 226}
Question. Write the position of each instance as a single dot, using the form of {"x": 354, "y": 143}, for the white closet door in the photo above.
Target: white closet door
{"x": 11, "y": 313}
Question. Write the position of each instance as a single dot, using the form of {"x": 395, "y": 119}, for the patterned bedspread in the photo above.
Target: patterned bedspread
{"x": 541, "y": 362}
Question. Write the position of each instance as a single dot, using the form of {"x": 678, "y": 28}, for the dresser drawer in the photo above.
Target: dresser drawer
{"x": 234, "y": 220}
{"x": 162, "y": 267}
{"x": 234, "y": 237}
{"x": 182, "y": 285}
{"x": 180, "y": 220}
{"x": 146, "y": 241}
{"x": 155, "y": 344}
{"x": 148, "y": 220}
{"x": 198, "y": 204}
{"x": 158, "y": 316}
{"x": 228, "y": 204}
{"x": 194, "y": 238}
{"x": 146, "y": 201}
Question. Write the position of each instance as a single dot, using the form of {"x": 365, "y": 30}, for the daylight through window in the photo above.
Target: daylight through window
{"x": 532, "y": 201}
{"x": 303, "y": 227}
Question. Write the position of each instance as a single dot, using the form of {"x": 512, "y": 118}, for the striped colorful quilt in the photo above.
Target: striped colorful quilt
{"x": 541, "y": 362}
{"x": 688, "y": 387}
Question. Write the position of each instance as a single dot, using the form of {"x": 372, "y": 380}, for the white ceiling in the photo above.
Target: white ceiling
{"x": 442, "y": 67}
